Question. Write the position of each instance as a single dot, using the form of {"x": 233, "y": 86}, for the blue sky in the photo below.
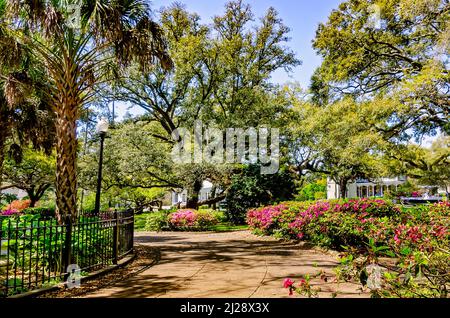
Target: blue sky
{"x": 301, "y": 16}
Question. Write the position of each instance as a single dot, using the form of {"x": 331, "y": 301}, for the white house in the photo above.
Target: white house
{"x": 180, "y": 197}
{"x": 363, "y": 188}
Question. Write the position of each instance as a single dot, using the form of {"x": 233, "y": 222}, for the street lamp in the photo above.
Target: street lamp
{"x": 101, "y": 130}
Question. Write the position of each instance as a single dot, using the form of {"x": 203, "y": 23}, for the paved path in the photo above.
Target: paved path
{"x": 234, "y": 264}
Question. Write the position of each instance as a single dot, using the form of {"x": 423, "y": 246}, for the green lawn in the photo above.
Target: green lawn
{"x": 139, "y": 221}
{"x": 227, "y": 227}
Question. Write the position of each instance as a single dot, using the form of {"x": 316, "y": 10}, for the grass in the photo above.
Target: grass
{"x": 139, "y": 222}
{"x": 222, "y": 226}
{"x": 227, "y": 227}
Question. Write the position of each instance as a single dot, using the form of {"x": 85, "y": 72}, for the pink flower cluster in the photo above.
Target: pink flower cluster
{"x": 289, "y": 283}
{"x": 10, "y": 212}
{"x": 263, "y": 218}
{"x": 441, "y": 208}
{"x": 365, "y": 205}
{"x": 418, "y": 234}
{"x": 183, "y": 218}
{"x": 412, "y": 234}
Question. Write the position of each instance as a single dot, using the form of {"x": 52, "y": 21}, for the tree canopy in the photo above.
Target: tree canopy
{"x": 403, "y": 55}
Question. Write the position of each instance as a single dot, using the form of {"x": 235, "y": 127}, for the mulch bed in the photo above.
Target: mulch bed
{"x": 145, "y": 257}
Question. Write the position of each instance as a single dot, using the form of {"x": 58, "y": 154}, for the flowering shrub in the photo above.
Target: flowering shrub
{"x": 440, "y": 209}
{"x": 372, "y": 207}
{"x": 333, "y": 223}
{"x": 368, "y": 231}
{"x": 188, "y": 219}
{"x": 205, "y": 220}
{"x": 304, "y": 218}
{"x": 183, "y": 218}
{"x": 264, "y": 218}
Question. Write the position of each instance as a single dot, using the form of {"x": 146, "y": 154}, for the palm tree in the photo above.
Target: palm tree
{"x": 81, "y": 46}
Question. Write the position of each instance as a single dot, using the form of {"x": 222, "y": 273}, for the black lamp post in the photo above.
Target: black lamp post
{"x": 101, "y": 129}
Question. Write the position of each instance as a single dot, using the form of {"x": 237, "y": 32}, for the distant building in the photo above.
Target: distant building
{"x": 14, "y": 191}
{"x": 363, "y": 188}
{"x": 180, "y": 197}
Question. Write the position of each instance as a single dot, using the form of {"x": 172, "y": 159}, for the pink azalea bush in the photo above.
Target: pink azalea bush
{"x": 354, "y": 222}
{"x": 183, "y": 218}
{"x": 264, "y": 218}
{"x": 365, "y": 231}
{"x": 440, "y": 209}
{"x": 304, "y": 218}
{"x": 373, "y": 207}
{"x": 189, "y": 219}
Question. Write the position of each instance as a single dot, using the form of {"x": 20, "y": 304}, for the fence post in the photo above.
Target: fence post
{"x": 67, "y": 255}
{"x": 116, "y": 238}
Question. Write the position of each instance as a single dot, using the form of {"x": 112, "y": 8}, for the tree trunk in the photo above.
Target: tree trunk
{"x": 66, "y": 154}
{"x": 343, "y": 187}
{"x": 33, "y": 201}
{"x": 213, "y": 201}
{"x": 2, "y": 155}
{"x": 192, "y": 202}
{"x": 213, "y": 195}
{"x": 3, "y": 136}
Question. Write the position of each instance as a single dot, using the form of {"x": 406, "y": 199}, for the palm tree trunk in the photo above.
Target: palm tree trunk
{"x": 66, "y": 155}
{"x": 2, "y": 153}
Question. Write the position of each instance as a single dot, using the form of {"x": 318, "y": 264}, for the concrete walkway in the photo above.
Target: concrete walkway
{"x": 233, "y": 264}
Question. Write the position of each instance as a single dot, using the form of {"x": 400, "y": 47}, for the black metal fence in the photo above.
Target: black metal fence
{"x": 36, "y": 252}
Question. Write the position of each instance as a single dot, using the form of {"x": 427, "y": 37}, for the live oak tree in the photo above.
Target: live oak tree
{"x": 427, "y": 165}
{"x": 221, "y": 71}
{"x": 221, "y": 75}
{"x": 384, "y": 79}
{"x": 395, "y": 48}
{"x": 135, "y": 163}
{"x": 77, "y": 53}
{"x": 337, "y": 141}
{"x": 34, "y": 174}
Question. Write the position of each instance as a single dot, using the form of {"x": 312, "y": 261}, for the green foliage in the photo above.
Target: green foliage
{"x": 35, "y": 173}
{"x": 37, "y": 242}
{"x": 336, "y": 140}
{"x": 44, "y": 212}
{"x": 251, "y": 189}
{"x": 403, "y": 58}
{"x": 406, "y": 189}
{"x": 6, "y": 198}
{"x": 157, "y": 221}
{"x": 427, "y": 165}
{"x": 221, "y": 76}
